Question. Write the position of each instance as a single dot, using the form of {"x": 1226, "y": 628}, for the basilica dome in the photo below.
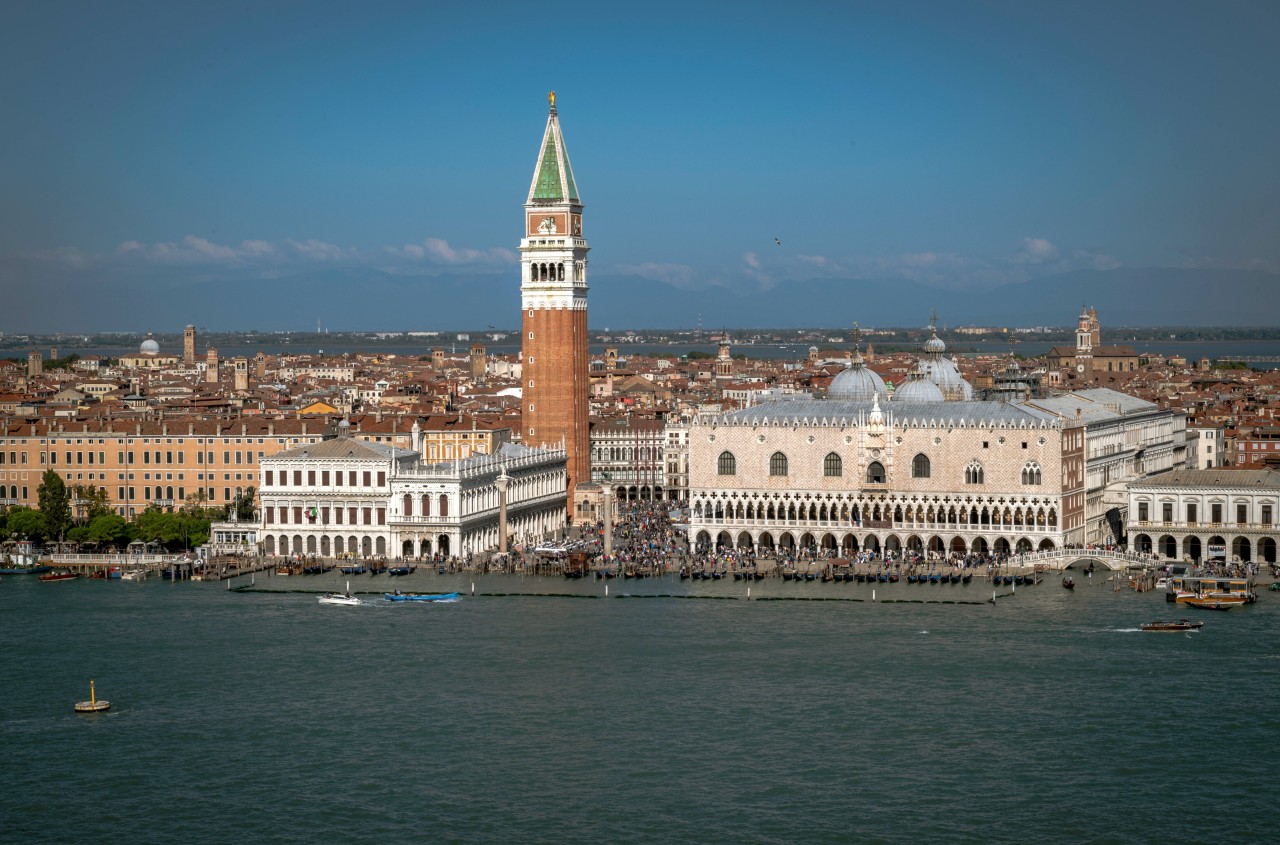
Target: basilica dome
{"x": 943, "y": 372}
{"x": 856, "y": 382}
{"x": 918, "y": 389}
{"x": 149, "y": 346}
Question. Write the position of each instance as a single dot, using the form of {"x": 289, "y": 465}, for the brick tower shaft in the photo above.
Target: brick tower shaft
{"x": 553, "y": 294}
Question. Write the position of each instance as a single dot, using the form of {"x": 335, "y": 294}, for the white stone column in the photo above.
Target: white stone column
{"x": 607, "y": 502}
{"x": 503, "y": 481}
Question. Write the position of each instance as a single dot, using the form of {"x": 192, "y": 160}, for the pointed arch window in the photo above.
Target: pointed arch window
{"x": 875, "y": 473}
{"x": 920, "y": 466}
{"x": 1031, "y": 474}
{"x": 973, "y": 473}
{"x": 832, "y": 466}
{"x": 778, "y": 464}
{"x": 727, "y": 464}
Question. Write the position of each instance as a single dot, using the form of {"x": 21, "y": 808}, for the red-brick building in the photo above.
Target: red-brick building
{"x": 553, "y": 295}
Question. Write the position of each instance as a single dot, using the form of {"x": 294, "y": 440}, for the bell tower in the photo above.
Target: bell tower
{"x": 553, "y": 301}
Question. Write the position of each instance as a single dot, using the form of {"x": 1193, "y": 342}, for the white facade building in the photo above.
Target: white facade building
{"x": 1206, "y": 514}
{"x": 1127, "y": 439}
{"x": 343, "y": 497}
{"x": 1206, "y": 447}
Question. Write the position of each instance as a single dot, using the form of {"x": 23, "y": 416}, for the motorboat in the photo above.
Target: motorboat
{"x": 345, "y": 599}
{"x": 63, "y": 575}
{"x": 134, "y": 575}
{"x": 1180, "y": 625}
{"x": 342, "y": 599}
{"x": 399, "y": 596}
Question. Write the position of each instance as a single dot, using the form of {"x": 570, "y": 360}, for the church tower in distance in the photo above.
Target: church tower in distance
{"x": 553, "y": 300}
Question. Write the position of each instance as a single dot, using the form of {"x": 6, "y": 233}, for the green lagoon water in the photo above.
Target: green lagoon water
{"x": 266, "y": 718}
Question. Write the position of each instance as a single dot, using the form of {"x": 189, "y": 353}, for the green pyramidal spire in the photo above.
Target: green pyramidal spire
{"x": 553, "y": 176}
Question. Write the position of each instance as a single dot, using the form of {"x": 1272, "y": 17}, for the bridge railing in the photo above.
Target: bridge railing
{"x": 112, "y": 559}
{"x": 1031, "y": 558}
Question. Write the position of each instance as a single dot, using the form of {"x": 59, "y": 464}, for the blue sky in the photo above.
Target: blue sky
{"x": 961, "y": 145}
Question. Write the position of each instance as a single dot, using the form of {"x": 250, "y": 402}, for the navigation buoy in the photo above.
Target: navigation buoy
{"x": 93, "y": 705}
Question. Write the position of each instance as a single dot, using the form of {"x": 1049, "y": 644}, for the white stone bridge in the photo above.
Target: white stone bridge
{"x": 1113, "y": 559}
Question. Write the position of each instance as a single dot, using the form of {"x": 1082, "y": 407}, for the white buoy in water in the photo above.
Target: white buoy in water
{"x": 606, "y": 591}
{"x": 473, "y": 588}
{"x": 873, "y": 595}
{"x": 748, "y": 594}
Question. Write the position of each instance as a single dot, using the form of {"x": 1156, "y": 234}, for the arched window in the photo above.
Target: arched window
{"x": 727, "y": 464}
{"x": 408, "y": 505}
{"x": 973, "y": 473}
{"x": 832, "y": 466}
{"x": 920, "y": 467}
{"x": 875, "y": 473}
{"x": 1031, "y": 473}
{"x": 778, "y": 464}
{"x": 444, "y": 505}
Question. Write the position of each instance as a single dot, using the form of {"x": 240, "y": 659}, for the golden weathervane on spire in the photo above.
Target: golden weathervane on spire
{"x": 551, "y": 98}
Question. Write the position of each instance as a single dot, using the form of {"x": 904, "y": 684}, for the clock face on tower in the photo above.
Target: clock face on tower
{"x": 1079, "y": 368}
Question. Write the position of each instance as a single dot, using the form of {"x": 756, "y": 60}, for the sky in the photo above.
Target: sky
{"x": 152, "y": 150}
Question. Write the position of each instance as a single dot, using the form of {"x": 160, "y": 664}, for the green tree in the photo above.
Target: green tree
{"x": 243, "y": 505}
{"x": 55, "y": 504}
{"x": 152, "y": 524}
{"x": 91, "y": 502}
{"x": 109, "y": 529}
{"x": 27, "y": 523}
{"x": 78, "y": 534}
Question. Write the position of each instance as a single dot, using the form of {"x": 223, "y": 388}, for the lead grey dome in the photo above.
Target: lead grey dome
{"x": 918, "y": 389}
{"x": 857, "y": 382}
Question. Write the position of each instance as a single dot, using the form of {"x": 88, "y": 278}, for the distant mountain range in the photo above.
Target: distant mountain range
{"x": 366, "y": 299}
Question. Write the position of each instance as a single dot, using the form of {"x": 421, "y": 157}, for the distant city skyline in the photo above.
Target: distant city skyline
{"x": 170, "y": 164}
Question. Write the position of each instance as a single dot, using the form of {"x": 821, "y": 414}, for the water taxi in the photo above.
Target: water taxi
{"x": 1215, "y": 591}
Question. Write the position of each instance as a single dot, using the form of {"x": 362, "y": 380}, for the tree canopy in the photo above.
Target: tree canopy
{"x": 25, "y": 523}
{"x": 55, "y": 504}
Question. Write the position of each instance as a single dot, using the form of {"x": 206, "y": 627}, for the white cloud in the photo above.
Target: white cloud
{"x": 438, "y": 251}
{"x": 754, "y": 268}
{"x": 678, "y": 275}
{"x": 319, "y": 250}
{"x": 194, "y": 250}
{"x": 1035, "y": 251}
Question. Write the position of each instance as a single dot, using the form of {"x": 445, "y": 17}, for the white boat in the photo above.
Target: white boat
{"x": 134, "y": 575}
{"x": 340, "y": 598}
{"x": 344, "y": 599}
